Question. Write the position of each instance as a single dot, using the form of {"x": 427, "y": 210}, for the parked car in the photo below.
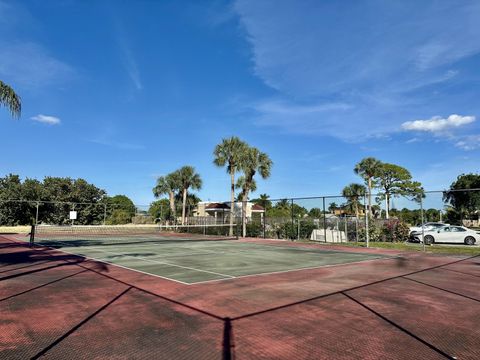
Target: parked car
{"x": 426, "y": 227}
{"x": 449, "y": 234}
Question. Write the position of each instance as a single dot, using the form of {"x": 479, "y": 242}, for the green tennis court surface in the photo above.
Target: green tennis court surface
{"x": 193, "y": 262}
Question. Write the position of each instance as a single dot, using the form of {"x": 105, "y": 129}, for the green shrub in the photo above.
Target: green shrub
{"x": 374, "y": 233}
{"x": 254, "y": 229}
{"x": 395, "y": 230}
{"x": 119, "y": 217}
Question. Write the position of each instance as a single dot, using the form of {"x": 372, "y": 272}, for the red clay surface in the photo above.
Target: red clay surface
{"x": 58, "y": 306}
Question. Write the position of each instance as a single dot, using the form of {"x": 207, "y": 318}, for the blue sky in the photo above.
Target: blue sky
{"x": 119, "y": 93}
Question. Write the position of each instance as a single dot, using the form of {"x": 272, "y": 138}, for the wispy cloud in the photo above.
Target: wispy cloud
{"x": 469, "y": 142}
{"x": 380, "y": 58}
{"x": 438, "y": 124}
{"x": 128, "y": 58}
{"x": 117, "y": 144}
{"x": 218, "y": 13}
{"x": 46, "y": 119}
{"x": 31, "y": 66}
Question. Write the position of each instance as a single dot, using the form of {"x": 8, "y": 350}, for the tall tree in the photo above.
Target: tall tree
{"x": 229, "y": 152}
{"x": 160, "y": 210}
{"x": 254, "y": 161}
{"x": 121, "y": 210}
{"x": 168, "y": 185}
{"x": 394, "y": 181}
{"x": 187, "y": 179}
{"x": 353, "y": 193}
{"x": 10, "y": 99}
{"x": 367, "y": 168}
{"x": 465, "y": 204}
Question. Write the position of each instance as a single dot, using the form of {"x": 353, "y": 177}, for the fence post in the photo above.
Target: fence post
{"x": 324, "y": 222}
{"x": 356, "y": 230}
{"x": 423, "y": 228}
{"x": 265, "y": 222}
{"x": 367, "y": 215}
{"x": 293, "y": 221}
{"x": 104, "y": 214}
{"x": 298, "y": 232}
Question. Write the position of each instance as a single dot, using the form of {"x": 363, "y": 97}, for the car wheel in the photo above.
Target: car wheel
{"x": 428, "y": 239}
{"x": 469, "y": 240}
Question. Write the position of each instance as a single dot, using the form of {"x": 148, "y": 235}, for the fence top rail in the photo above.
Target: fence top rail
{"x": 372, "y": 194}
{"x": 236, "y": 202}
{"x": 58, "y": 202}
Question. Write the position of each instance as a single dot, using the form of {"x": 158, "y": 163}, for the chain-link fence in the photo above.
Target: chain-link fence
{"x": 331, "y": 219}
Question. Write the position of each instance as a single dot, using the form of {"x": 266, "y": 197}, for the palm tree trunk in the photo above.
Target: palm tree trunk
{"x": 171, "y": 196}
{"x": 184, "y": 204}
{"x": 232, "y": 200}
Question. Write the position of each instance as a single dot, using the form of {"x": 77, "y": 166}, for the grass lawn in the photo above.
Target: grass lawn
{"x": 437, "y": 249}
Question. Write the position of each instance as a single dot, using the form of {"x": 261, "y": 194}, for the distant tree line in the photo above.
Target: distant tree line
{"x": 56, "y": 197}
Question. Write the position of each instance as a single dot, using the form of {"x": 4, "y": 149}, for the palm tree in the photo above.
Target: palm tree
{"x": 229, "y": 152}
{"x": 168, "y": 184}
{"x": 252, "y": 162}
{"x": 263, "y": 201}
{"x": 368, "y": 168}
{"x": 353, "y": 193}
{"x": 192, "y": 201}
{"x": 10, "y": 99}
{"x": 188, "y": 179}
{"x": 332, "y": 207}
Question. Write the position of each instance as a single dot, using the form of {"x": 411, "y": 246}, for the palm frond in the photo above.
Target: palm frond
{"x": 10, "y": 99}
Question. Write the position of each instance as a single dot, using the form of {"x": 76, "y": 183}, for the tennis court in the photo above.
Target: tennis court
{"x": 188, "y": 254}
{"x": 270, "y": 299}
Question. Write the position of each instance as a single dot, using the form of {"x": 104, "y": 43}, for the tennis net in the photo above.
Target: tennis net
{"x": 83, "y": 235}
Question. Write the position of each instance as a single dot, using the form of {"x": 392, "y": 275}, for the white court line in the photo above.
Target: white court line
{"x": 113, "y": 264}
{"x": 200, "y": 252}
{"x": 164, "y": 263}
{"x": 293, "y": 270}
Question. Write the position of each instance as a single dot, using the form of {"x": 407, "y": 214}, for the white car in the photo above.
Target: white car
{"x": 427, "y": 227}
{"x": 449, "y": 234}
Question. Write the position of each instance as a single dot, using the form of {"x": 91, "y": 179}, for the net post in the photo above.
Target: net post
{"x": 32, "y": 235}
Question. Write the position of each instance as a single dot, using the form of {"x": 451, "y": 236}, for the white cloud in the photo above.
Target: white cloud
{"x": 46, "y": 119}
{"x": 438, "y": 124}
